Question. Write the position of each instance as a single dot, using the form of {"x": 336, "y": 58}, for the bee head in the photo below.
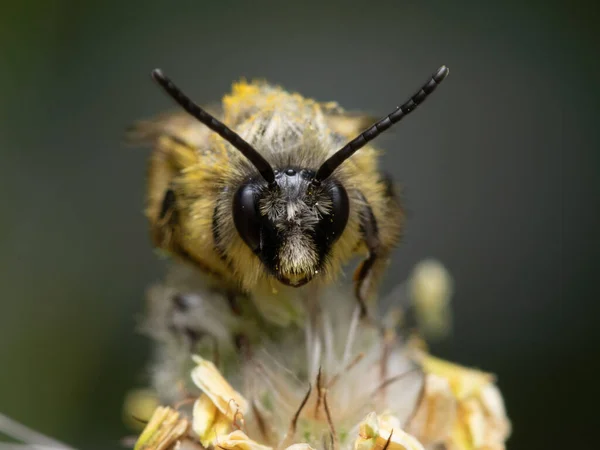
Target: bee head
{"x": 291, "y": 223}
{"x": 292, "y": 216}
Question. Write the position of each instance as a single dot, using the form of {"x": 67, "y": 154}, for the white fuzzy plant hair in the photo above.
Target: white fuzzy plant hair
{"x": 312, "y": 383}
{"x": 330, "y": 340}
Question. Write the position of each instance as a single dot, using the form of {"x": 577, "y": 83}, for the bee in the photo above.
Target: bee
{"x": 270, "y": 188}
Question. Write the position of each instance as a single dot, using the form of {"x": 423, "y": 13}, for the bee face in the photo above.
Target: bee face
{"x": 271, "y": 200}
{"x": 292, "y": 223}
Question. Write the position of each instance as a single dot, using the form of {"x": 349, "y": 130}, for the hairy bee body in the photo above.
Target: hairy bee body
{"x": 194, "y": 174}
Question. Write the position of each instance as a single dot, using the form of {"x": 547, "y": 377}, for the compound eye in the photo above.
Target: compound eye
{"x": 246, "y": 216}
{"x": 335, "y": 222}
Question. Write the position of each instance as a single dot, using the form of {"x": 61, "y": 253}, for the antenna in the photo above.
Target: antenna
{"x": 338, "y": 158}
{"x": 261, "y": 164}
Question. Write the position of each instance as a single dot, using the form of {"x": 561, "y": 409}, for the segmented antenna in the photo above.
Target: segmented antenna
{"x": 261, "y": 164}
{"x": 335, "y": 160}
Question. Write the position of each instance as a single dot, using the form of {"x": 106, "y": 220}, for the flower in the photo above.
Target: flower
{"x": 335, "y": 381}
{"x": 460, "y": 408}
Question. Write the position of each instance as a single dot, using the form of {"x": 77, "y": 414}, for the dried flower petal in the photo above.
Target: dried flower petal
{"x": 239, "y": 441}
{"x": 499, "y": 425}
{"x": 400, "y": 439}
{"x": 300, "y": 447}
{"x": 436, "y": 412}
{"x": 208, "y": 422}
{"x": 227, "y": 400}
{"x": 464, "y": 382}
{"x": 164, "y": 431}
{"x": 374, "y": 433}
{"x": 479, "y": 422}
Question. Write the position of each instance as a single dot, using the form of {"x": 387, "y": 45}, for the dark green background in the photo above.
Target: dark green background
{"x": 500, "y": 170}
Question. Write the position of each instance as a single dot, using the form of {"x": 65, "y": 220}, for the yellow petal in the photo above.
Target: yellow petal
{"x": 368, "y": 430}
{"x": 481, "y": 423}
{"x": 493, "y": 405}
{"x": 208, "y": 422}
{"x": 365, "y": 444}
{"x": 400, "y": 440}
{"x": 164, "y": 431}
{"x": 369, "y": 427}
{"x": 476, "y": 423}
{"x": 374, "y": 432}
{"x": 460, "y": 438}
{"x": 239, "y": 441}
{"x": 464, "y": 382}
{"x": 300, "y": 447}
{"x": 204, "y": 415}
{"x": 388, "y": 422}
{"x": 436, "y": 412}
{"x": 227, "y": 400}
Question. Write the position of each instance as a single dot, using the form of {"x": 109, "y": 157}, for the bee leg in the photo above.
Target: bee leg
{"x": 161, "y": 203}
{"x": 367, "y": 277}
{"x": 164, "y": 232}
{"x": 363, "y": 274}
{"x": 168, "y": 207}
{"x": 380, "y": 239}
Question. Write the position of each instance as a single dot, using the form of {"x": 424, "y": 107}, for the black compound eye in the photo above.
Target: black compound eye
{"x": 246, "y": 216}
{"x": 334, "y": 223}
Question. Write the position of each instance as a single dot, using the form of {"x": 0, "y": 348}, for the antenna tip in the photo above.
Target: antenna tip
{"x": 157, "y": 75}
{"x": 441, "y": 73}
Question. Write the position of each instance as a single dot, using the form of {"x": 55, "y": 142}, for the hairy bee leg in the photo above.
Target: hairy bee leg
{"x": 367, "y": 277}
{"x": 170, "y": 156}
{"x": 362, "y": 276}
{"x": 168, "y": 207}
{"x": 380, "y": 239}
{"x": 164, "y": 233}
{"x": 161, "y": 203}
{"x": 359, "y": 281}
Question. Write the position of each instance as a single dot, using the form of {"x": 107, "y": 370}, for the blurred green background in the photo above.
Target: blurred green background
{"x": 500, "y": 171}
